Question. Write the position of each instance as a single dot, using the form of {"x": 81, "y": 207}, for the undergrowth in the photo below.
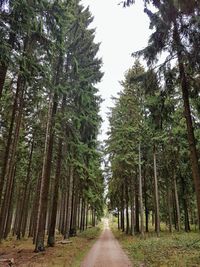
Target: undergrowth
{"x": 169, "y": 250}
{"x": 62, "y": 255}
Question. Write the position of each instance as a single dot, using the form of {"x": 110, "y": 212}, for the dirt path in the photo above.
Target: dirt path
{"x": 106, "y": 252}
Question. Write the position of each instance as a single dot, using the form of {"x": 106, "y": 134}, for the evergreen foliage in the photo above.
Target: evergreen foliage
{"x": 170, "y": 140}
{"x": 149, "y": 115}
{"x": 50, "y": 166}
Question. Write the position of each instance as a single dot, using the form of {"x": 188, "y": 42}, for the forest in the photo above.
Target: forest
{"x": 153, "y": 142}
{"x": 50, "y": 157}
{"x": 52, "y": 179}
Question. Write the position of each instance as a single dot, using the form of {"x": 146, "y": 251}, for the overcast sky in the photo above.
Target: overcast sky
{"x": 120, "y": 31}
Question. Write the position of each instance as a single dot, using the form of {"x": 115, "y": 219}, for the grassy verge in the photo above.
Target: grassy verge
{"x": 169, "y": 250}
{"x": 62, "y": 255}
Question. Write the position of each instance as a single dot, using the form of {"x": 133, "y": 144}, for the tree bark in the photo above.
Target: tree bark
{"x": 62, "y": 212}
{"x": 132, "y": 209}
{"x": 51, "y": 236}
{"x": 9, "y": 140}
{"x": 33, "y": 219}
{"x": 137, "y": 219}
{"x": 140, "y": 193}
{"x": 40, "y": 185}
{"x": 177, "y": 204}
{"x": 44, "y": 190}
{"x": 11, "y": 164}
{"x": 185, "y": 204}
{"x": 146, "y": 204}
{"x": 10, "y": 210}
{"x": 69, "y": 209}
{"x": 190, "y": 131}
{"x": 127, "y": 206}
{"x": 16, "y": 216}
{"x": 24, "y": 198}
{"x": 157, "y": 213}
{"x": 169, "y": 208}
{"x": 122, "y": 209}
{"x": 118, "y": 220}
{"x": 26, "y": 212}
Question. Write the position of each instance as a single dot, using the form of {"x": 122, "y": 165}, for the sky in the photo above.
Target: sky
{"x": 121, "y": 31}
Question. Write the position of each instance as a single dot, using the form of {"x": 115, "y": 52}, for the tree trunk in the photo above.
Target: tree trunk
{"x": 11, "y": 164}
{"x": 146, "y": 204}
{"x": 51, "y": 236}
{"x": 47, "y": 162}
{"x": 25, "y": 192}
{"x": 82, "y": 225}
{"x": 9, "y": 140}
{"x": 169, "y": 208}
{"x": 62, "y": 212}
{"x": 122, "y": 209}
{"x": 66, "y": 208}
{"x": 174, "y": 211}
{"x": 137, "y": 219}
{"x": 71, "y": 230}
{"x": 10, "y": 210}
{"x": 74, "y": 217}
{"x": 16, "y": 216}
{"x": 26, "y": 212}
{"x": 78, "y": 213}
{"x": 190, "y": 132}
{"x": 140, "y": 193}
{"x": 81, "y": 215}
{"x": 49, "y": 206}
{"x": 69, "y": 209}
{"x": 33, "y": 220}
{"x": 132, "y": 209}
{"x": 86, "y": 215}
{"x": 157, "y": 213}
{"x": 127, "y": 206}
{"x": 185, "y": 204}
{"x": 44, "y": 190}
{"x": 118, "y": 220}
{"x": 177, "y": 203}
{"x": 40, "y": 185}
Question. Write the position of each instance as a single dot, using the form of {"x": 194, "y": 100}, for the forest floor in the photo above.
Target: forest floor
{"x": 169, "y": 250}
{"x": 62, "y": 255}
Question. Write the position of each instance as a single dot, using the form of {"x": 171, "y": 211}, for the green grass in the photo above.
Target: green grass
{"x": 169, "y": 250}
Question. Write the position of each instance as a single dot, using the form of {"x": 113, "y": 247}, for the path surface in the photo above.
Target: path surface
{"x": 106, "y": 252}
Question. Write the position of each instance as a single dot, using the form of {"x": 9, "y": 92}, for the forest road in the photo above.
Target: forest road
{"x": 106, "y": 252}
